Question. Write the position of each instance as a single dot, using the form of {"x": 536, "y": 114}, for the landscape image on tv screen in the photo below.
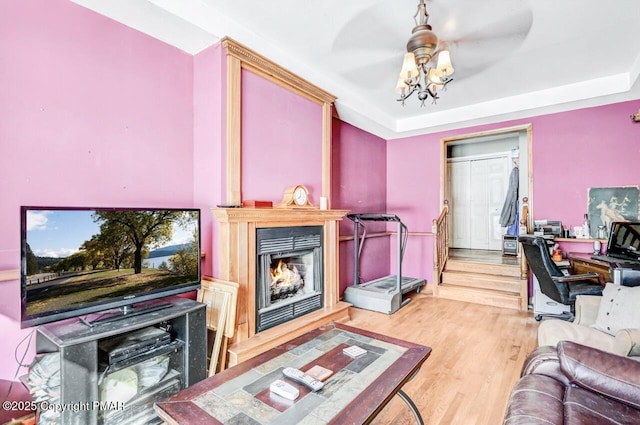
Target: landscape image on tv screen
{"x": 74, "y": 258}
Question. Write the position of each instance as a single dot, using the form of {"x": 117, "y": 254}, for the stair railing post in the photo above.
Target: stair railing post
{"x": 439, "y": 228}
{"x": 524, "y": 267}
{"x": 524, "y": 229}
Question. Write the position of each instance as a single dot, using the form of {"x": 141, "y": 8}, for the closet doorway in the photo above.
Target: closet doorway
{"x": 475, "y": 180}
{"x": 478, "y": 189}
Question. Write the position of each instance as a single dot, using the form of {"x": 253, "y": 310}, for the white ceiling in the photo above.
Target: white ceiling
{"x": 513, "y": 58}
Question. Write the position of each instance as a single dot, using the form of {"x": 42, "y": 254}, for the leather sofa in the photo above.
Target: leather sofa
{"x": 575, "y": 384}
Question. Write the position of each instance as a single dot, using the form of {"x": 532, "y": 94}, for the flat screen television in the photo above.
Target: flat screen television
{"x": 78, "y": 261}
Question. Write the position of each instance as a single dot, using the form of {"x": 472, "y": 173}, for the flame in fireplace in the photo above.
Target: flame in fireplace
{"x": 282, "y": 275}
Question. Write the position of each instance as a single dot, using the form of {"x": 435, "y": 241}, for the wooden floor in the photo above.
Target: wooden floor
{"x": 478, "y": 352}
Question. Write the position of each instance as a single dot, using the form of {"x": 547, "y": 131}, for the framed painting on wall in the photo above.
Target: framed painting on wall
{"x": 608, "y": 204}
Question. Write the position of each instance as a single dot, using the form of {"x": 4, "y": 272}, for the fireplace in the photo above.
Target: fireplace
{"x": 238, "y": 247}
{"x": 289, "y": 275}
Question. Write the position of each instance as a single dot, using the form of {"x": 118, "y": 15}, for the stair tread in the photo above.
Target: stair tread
{"x": 482, "y": 275}
{"x": 489, "y": 282}
{"x": 482, "y": 269}
{"x": 470, "y": 289}
{"x": 486, "y": 297}
{"x": 482, "y": 265}
{"x": 482, "y": 260}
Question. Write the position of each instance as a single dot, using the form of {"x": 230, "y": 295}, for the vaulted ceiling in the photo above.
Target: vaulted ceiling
{"x": 512, "y": 58}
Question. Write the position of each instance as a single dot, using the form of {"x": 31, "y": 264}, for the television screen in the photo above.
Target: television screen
{"x": 77, "y": 261}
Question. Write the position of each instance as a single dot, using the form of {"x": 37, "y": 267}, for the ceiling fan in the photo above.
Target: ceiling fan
{"x": 477, "y": 35}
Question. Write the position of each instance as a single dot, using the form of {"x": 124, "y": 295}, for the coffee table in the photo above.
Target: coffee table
{"x": 356, "y": 392}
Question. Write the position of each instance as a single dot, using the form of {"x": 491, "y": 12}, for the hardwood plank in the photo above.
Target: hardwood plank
{"x": 265, "y": 340}
{"x": 478, "y": 352}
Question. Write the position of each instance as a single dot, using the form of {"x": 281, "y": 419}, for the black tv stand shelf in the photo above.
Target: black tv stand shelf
{"x": 174, "y": 346}
{"x": 83, "y": 372}
{"x": 126, "y": 313}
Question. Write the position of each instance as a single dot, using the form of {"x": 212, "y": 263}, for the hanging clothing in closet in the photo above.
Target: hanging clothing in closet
{"x": 509, "y": 214}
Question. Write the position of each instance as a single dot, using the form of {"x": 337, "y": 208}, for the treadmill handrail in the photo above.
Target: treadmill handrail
{"x": 374, "y": 217}
{"x": 359, "y": 217}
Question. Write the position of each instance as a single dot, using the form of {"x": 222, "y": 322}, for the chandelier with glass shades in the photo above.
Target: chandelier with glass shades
{"x": 418, "y": 73}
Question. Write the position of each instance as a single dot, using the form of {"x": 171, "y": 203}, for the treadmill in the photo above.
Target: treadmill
{"x": 384, "y": 294}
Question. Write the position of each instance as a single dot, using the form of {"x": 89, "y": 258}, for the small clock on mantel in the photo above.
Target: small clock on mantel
{"x": 295, "y": 197}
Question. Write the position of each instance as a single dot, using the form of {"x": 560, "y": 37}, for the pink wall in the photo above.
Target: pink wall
{"x": 572, "y": 151}
{"x": 281, "y": 141}
{"x": 359, "y": 174}
{"x": 413, "y": 194}
{"x": 599, "y": 147}
{"x": 93, "y": 114}
{"x": 208, "y": 145}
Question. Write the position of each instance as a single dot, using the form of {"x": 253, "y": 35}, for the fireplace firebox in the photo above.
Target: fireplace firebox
{"x": 289, "y": 274}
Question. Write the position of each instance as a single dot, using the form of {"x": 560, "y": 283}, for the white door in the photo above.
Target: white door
{"x": 459, "y": 223}
{"x": 478, "y": 189}
{"x": 498, "y": 185}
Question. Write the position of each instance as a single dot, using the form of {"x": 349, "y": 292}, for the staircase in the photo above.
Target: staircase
{"x": 484, "y": 277}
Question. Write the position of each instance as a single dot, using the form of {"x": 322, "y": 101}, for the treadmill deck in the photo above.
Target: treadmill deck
{"x": 388, "y": 284}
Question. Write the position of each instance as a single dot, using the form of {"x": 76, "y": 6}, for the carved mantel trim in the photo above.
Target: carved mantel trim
{"x": 240, "y": 57}
{"x": 287, "y": 79}
{"x": 237, "y": 226}
{"x": 275, "y": 215}
{"x": 237, "y": 237}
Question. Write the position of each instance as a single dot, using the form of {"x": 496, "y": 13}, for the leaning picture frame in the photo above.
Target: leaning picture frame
{"x": 608, "y": 204}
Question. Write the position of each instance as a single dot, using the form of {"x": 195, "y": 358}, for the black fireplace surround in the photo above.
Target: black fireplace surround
{"x": 289, "y": 275}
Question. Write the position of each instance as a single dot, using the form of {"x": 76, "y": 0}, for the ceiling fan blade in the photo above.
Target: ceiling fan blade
{"x": 473, "y": 57}
{"x": 376, "y": 29}
{"x": 378, "y": 76}
{"x": 515, "y": 25}
{"x": 480, "y": 47}
{"x": 375, "y": 39}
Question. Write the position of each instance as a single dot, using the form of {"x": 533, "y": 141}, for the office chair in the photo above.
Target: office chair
{"x": 553, "y": 283}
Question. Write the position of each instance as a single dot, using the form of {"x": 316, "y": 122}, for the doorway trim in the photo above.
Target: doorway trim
{"x": 446, "y": 141}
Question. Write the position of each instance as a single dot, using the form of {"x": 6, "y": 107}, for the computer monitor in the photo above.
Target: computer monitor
{"x": 624, "y": 240}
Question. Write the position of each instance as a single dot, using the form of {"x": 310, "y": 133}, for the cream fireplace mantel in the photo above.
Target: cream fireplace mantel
{"x": 237, "y": 256}
{"x": 236, "y": 231}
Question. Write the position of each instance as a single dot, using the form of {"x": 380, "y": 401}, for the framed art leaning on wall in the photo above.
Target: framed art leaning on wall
{"x": 608, "y": 204}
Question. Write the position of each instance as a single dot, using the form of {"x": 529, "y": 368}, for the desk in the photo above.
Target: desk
{"x": 355, "y": 393}
{"x": 581, "y": 262}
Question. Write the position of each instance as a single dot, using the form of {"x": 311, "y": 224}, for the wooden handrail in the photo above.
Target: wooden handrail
{"x": 524, "y": 229}
{"x": 524, "y": 216}
{"x": 440, "y": 245}
{"x": 443, "y": 214}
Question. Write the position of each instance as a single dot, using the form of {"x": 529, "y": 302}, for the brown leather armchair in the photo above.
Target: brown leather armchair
{"x": 575, "y": 384}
